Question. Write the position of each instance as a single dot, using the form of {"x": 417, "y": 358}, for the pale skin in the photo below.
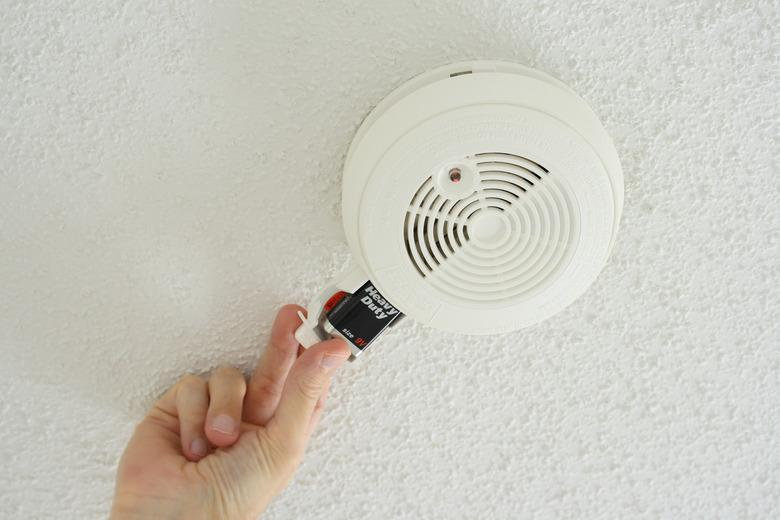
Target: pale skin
{"x": 224, "y": 448}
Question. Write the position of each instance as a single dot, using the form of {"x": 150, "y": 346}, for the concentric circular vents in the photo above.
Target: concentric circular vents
{"x": 482, "y": 197}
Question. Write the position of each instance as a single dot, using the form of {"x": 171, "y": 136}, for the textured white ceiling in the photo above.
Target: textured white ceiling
{"x": 170, "y": 176}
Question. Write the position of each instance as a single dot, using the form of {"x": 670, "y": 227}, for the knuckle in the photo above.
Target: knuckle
{"x": 193, "y": 420}
{"x": 229, "y": 373}
{"x": 191, "y": 383}
{"x": 266, "y": 386}
{"x": 280, "y": 353}
{"x": 310, "y": 385}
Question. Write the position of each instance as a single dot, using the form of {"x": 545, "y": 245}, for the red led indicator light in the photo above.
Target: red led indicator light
{"x": 455, "y": 174}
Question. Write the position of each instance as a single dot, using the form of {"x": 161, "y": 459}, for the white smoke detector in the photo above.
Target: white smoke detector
{"x": 478, "y": 198}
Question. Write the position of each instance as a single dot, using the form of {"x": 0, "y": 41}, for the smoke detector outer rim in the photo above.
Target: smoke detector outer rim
{"x": 438, "y": 118}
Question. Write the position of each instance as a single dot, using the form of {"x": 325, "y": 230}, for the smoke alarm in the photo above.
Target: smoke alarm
{"x": 478, "y": 198}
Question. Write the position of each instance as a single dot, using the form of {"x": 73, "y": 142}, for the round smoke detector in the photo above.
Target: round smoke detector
{"x": 480, "y": 198}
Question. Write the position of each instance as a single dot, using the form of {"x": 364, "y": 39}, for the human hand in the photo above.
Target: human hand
{"x": 224, "y": 449}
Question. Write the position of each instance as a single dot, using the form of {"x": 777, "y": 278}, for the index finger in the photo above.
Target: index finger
{"x": 265, "y": 386}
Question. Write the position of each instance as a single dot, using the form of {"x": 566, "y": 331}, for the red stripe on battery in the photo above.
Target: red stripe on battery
{"x": 334, "y": 300}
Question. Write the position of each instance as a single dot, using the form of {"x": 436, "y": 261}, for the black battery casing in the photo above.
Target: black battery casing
{"x": 362, "y": 316}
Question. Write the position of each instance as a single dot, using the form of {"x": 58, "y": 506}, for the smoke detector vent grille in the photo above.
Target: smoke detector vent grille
{"x": 504, "y": 240}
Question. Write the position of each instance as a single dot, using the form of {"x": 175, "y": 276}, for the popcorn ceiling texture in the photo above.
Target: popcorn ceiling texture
{"x": 170, "y": 176}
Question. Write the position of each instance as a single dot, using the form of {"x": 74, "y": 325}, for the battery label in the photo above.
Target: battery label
{"x": 362, "y": 316}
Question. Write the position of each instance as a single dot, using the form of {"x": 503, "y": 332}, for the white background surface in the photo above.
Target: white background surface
{"x": 170, "y": 176}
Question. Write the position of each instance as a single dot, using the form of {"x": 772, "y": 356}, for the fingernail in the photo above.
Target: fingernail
{"x": 199, "y": 447}
{"x": 223, "y": 424}
{"x": 331, "y": 361}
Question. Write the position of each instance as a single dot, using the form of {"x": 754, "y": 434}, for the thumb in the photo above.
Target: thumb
{"x": 304, "y": 385}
